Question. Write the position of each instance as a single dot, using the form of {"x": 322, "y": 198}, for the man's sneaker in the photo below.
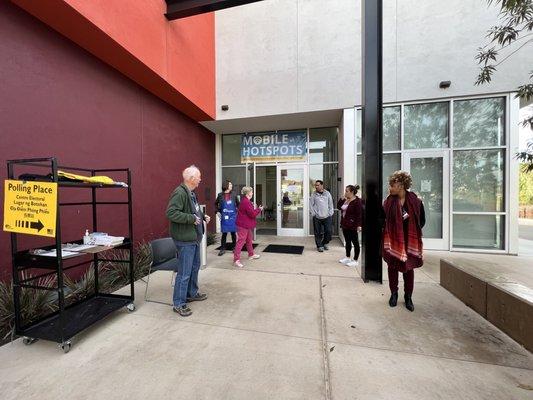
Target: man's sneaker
{"x": 184, "y": 311}
{"x": 221, "y": 252}
{"x": 351, "y": 264}
{"x": 238, "y": 264}
{"x": 345, "y": 260}
{"x": 199, "y": 297}
{"x": 320, "y": 249}
{"x": 254, "y": 257}
{"x": 326, "y": 247}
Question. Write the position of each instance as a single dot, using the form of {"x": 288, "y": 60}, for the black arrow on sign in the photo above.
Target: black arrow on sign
{"x": 37, "y": 225}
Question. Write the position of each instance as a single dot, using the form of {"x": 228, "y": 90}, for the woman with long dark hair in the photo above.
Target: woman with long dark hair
{"x": 226, "y": 205}
{"x": 351, "y": 208}
{"x": 402, "y": 236}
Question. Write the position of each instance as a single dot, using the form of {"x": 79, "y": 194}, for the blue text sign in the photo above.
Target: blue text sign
{"x": 274, "y": 146}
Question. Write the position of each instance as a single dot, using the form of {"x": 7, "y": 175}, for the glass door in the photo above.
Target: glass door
{"x": 265, "y": 194}
{"x": 431, "y": 176}
{"x": 291, "y": 200}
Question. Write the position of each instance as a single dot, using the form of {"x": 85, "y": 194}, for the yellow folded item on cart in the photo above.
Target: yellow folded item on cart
{"x": 89, "y": 179}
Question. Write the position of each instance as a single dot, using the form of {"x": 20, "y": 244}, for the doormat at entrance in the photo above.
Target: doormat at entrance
{"x": 281, "y": 248}
{"x": 230, "y": 246}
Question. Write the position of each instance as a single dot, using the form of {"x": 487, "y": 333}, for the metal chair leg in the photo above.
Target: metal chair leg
{"x": 146, "y": 291}
{"x": 173, "y": 279}
{"x": 147, "y": 282}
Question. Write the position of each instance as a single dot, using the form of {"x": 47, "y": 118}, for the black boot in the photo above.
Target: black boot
{"x": 221, "y": 252}
{"x": 409, "y": 303}
{"x": 393, "y": 299}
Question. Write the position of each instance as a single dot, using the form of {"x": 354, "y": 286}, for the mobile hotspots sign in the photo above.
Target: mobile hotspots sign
{"x": 268, "y": 147}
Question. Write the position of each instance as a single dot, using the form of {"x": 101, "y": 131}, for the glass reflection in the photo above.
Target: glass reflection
{"x": 427, "y": 184}
{"x": 292, "y": 195}
{"x": 426, "y": 126}
{"x": 479, "y": 123}
{"x": 479, "y": 231}
{"x": 478, "y": 182}
{"x": 391, "y": 128}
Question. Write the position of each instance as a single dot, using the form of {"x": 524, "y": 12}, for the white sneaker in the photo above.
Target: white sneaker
{"x": 239, "y": 264}
{"x": 254, "y": 257}
{"x": 345, "y": 260}
{"x": 352, "y": 264}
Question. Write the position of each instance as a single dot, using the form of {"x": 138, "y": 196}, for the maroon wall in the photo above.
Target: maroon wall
{"x": 58, "y": 100}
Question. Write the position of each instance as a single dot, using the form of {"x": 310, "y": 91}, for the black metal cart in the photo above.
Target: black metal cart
{"x": 68, "y": 320}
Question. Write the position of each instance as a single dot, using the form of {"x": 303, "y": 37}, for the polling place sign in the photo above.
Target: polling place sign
{"x": 275, "y": 146}
{"x": 30, "y": 207}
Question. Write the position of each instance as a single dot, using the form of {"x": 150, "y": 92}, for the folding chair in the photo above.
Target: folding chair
{"x": 164, "y": 258}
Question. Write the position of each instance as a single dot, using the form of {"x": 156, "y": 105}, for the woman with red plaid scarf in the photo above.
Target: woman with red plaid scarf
{"x": 402, "y": 236}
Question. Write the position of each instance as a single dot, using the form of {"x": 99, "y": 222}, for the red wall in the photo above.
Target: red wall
{"x": 175, "y": 60}
{"x": 58, "y": 100}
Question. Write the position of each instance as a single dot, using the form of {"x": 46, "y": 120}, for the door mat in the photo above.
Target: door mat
{"x": 281, "y": 248}
{"x": 230, "y": 246}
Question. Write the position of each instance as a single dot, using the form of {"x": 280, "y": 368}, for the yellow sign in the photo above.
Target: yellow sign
{"x": 30, "y": 207}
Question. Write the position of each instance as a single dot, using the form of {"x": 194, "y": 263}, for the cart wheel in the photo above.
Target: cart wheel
{"x": 65, "y": 346}
{"x": 131, "y": 307}
{"x": 28, "y": 340}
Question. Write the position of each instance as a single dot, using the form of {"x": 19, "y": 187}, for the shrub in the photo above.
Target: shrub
{"x": 211, "y": 238}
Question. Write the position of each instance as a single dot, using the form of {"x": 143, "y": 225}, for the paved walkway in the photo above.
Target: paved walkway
{"x": 286, "y": 327}
{"x": 525, "y": 232}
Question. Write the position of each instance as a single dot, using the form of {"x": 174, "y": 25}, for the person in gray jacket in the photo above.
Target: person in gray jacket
{"x": 321, "y": 209}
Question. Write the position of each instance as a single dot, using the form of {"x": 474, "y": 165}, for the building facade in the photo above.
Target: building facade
{"x": 104, "y": 85}
{"x": 100, "y": 85}
{"x": 296, "y": 66}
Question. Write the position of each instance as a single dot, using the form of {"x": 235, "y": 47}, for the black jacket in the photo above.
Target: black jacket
{"x": 220, "y": 198}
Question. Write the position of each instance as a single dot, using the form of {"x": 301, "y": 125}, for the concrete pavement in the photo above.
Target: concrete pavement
{"x": 284, "y": 327}
{"x": 525, "y": 234}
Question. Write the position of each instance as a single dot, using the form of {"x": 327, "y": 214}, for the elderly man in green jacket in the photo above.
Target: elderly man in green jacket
{"x": 187, "y": 228}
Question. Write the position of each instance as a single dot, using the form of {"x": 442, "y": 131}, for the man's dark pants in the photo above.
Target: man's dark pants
{"x": 322, "y": 228}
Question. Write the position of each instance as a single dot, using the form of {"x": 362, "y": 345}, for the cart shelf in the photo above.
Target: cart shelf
{"x": 25, "y": 259}
{"x": 76, "y": 318}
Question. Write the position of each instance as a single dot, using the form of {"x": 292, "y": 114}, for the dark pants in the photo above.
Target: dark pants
{"x": 223, "y": 240}
{"x": 322, "y": 228}
{"x": 351, "y": 237}
{"x": 408, "y": 281}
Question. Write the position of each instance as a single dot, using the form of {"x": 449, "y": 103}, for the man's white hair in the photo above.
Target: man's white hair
{"x": 190, "y": 172}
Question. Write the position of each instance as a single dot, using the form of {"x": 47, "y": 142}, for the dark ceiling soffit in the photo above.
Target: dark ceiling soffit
{"x": 177, "y": 9}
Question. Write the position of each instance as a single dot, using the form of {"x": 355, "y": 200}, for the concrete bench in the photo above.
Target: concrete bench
{"x": 508, "y": 305}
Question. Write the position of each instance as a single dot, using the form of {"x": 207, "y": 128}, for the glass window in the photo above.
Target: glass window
{"x": 427, "y": 174}
{"x": 391, "y": 163}
{"x": 236, "y": 175}
{"x": 426, "y": 126}
{"x": 479, "y": 123}
{"x": 327, "y": 173}
{"x": 478, "y": 183}
{"x": 358, "y": 130}
{"x": 323, "y": 144}
{"x": 479, "y": 231}
{"x": 391, "y": 128}
{"x": 359, "y": 176}
{"x": 231, "y": 149}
